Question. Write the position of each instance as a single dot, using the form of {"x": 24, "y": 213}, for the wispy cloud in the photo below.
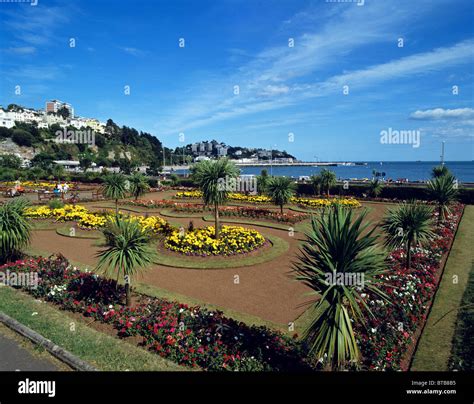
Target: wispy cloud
{"x": 133, "y": 51}
{"x": 282, "y": 76}
{"x": 21, "y": 50}
{"x": 441, "y": 113}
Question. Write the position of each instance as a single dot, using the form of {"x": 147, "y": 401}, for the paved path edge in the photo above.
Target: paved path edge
{"x": 51, "y": 347}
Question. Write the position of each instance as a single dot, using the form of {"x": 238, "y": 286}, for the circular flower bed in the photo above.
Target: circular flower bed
{"x": 232, "y": 240}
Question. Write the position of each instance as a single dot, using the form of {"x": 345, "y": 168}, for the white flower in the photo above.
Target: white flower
{"x": 181, "y": 310}
{"x": 374, "y": 330}
{"x": 110, "y": 306}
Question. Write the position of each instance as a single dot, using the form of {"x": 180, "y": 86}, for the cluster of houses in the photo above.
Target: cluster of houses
{"x": 49, "y": 116}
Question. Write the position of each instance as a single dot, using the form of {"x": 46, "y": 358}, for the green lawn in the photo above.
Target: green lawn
{"x": 434, "y": 349}
{"x": 100, "y": 350}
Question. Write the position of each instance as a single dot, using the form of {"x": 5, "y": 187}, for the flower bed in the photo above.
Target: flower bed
{"x": 190, "y": 336}
{"x": 239, "y": 211}
{"x": 233, "y": 240}
{"x": 305, "y": 202}
{"x": 88, "y": 220}
{"x": 388, "y": 335}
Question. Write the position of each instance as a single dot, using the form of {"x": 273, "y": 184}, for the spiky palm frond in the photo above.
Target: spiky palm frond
{"x": 439, "y": 171}
{"x": 115, "y": 188}
{"x": 444, "y": 192}
{"x": 327, "y": 178}
{"x": 127, "y": 249}
{"x": 407, "y": 225}
{"x": 281, "y": 190}
{"x": 375, "y": 187}
{"x": 214, "y": 178}
{"x": 335, "y": 247}
{"x": 138, "y": 185}
{"x": 15, "y": 230}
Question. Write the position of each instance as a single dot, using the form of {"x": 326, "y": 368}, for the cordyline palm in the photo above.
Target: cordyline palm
{"x": 115, "y": 188}
{"x": 328, "y": 179}
{"x": 375, "y": 187}
{"x": 138, "y": 185}
{"x": 335, "y": 246}
{"x": 443, "y": 191}
{"x": 280, "y": 190}
{"x": 14, "y": 228}
{"x": 407, "y": 225}
{"x": 316, "y": 183}
{"x": 262, "y": 182}
{"x": 439, "y": 171}
{"x": 213, "y": 178}
{"x": 127, "y": 251}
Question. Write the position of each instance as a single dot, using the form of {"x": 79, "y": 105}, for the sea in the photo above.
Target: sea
{"x": 395, "y": 170}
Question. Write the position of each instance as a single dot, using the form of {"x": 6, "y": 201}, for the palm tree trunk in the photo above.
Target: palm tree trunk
{"x": 116, "y": 207}
{"x": 216, "y": 217}
{"x": 281, "y": 209}
{"x": 440, "y": 212}
{"x": 128, "y": 295}
{"x": 328, "y": 191}
{"x": 408, "y": 262}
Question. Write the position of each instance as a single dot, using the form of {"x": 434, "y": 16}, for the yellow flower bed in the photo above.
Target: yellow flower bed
{"x": 232, "y": 240}
{"x": 309, "y": 202}
{"x": 323, "y": 203}
{"x": 31, "y": 184}
{"x": 89, "y": 220}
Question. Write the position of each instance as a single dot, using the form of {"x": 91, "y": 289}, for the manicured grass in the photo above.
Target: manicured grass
{"x": 170, "y": 213}
{"x": 278, "y": 248}
{"x": 462, "y": 357}
{"x": 79, "y": 233}
{"x": 434, "y": 349}
{"x": 101, "y": 350}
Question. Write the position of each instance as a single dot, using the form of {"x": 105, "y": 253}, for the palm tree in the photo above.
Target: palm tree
{"x": 316, "y": 183}
{"x": 262, "y": 182}
{"x": 114, "y": 188}
{"x": 281, "y": 190}
{"x": 138, "y": 185}
{"x": 407, "y": 225}
{"x": 328, "y": 179}
{"x": 127, "y": 251}
{"x": 15, "y": 230}
{"x": 443, "y": 191}
{"x": 215, "y": 178}
{"x": 339, "y": 263}
{"x": 375, "y": 187}
{"x": 439, "y": 171}
{"x": 58, "y": 172}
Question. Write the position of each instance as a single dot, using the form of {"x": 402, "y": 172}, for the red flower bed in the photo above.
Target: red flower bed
{"x": 191, "y": 336}
{"x": 390, "y": 332}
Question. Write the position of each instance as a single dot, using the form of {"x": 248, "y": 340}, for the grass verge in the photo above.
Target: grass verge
{"x": 434, "y": 348}
{"x": 101, "y": 350}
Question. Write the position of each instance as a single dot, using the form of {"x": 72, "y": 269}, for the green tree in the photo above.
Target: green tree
{"x": 281, "y": 190}
{"x": 408, "y": 225}
{"x": 339, "y": 260}
{"x": 439, "y": 171}
{"x": 85, "y": 162}
{"x": 57, "y": 172}
{"x": 127, "y": 251}
{"x": 22, "y": 137}
{"x": 15, "y": 229}
{"x": 138, "y": 185}
{"x": 115, "y": 188}
{"x": 315, "y": 181}
{"x": 328, "y": 179}
{"x": 262, "y": 182}
{"x": 443, "y": 191}
{"x": 213, "y": 178}
{"x": 375, "y": 187}
{"x": 10, "y": 161}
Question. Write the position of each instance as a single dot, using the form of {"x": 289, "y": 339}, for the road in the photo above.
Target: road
{"x": 14, "y": 357}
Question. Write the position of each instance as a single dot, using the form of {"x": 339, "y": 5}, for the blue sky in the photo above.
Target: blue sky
{"x": 245, "y": 43}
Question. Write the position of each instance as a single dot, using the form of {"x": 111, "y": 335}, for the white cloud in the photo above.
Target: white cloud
{"x": 271, "y": 90}
{"x": 132, "y": 51}
{"x": 441, "y": 113}
{"x": 21, "y": 50}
